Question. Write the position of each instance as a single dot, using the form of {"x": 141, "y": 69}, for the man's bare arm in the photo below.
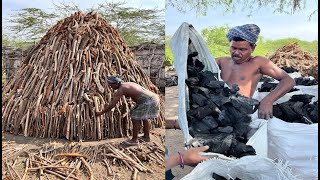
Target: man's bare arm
{"x": 285, "y": 81}
{"x": 113, "y": 102}
{"x": 285, "y": 84}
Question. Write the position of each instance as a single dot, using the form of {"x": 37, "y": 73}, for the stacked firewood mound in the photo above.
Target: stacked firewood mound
{"x": 292, "y": 58}
{"x": 218, "y": 116}
{"x": 62, "y": 81}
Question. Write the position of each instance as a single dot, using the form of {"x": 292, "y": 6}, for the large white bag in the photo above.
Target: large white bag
{"x": 296, "y": 144}
{"x": 246, "y": 168}
{"x": 180, "y": 47}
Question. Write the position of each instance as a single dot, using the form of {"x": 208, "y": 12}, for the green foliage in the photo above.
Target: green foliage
{"x": 218, "y": 45}
{"x": 31, "y": 22}
{"x": 15, "y": 42}
{"x": 168, "y": 52}
{"x": 248, "y": 6}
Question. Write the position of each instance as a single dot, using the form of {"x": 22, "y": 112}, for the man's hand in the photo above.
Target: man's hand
{"x": 265, "y": 110}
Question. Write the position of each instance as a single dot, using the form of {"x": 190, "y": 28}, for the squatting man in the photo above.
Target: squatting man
{"x": 147, "y": 106}
{"x": 246, "y": 70}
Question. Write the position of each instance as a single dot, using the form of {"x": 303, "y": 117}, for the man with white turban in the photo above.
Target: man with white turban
{"x": 246, "y": 70}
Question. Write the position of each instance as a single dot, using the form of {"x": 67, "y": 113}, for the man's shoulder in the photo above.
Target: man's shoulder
{"x": 222, "y": 59}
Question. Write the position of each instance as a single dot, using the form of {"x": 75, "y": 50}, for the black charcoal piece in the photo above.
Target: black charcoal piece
{"x": 219, "y": 100}
{"x": 277, "y": 111}
{"x": 210, "y": 122}
{"x": 297, "y": 107}
{"x": 241, "y": 149}
{"x": 201, "y": 127}
{"x": 220, "y": 146}
{"x": 305, "y": 81}
{"x": 241, "y": 105}
{"x": 290, "y": 69}
{"x": 195, "y": 106}
{"x": 192, "y": 112}
{"x": 218, "y": 177}
{"x": 227, "y": 129}
{"x": 213, "y": 84}
{"x": 191, "y": 119}
{"x": 266, "y": 79}
{"x": 199, "y": 99}
{"x": 203, "y": 112}
{"x": 204, "y": 91}
{"x": 234, "y": 89}
{"x": 215, "y": 109}
{"x": 305, "y": 98}
{"x": 267, "y": 87}
{"x": 192, "y": 81}
{"x": 192, "y": 71}
{"x": 206, "y": 76}
{"x": 199, "y": 65}
{"x": 287, "y": 112}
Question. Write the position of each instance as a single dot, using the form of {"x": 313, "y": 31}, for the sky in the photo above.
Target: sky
{"x": 273, "y": 26}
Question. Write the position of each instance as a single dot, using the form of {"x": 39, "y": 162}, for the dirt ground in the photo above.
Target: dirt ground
{"x": 99, "y": 169}
{"x": 174, "y": 137}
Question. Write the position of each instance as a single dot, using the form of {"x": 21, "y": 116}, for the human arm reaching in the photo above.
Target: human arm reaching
{"x": 189, "y": 157}
{"x": 112, "y": 104}
{"x": 286, "y": 83}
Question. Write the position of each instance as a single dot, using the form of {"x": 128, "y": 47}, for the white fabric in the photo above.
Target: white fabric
{"x": 248, "y": 168}
{"x": 296, "y": 144}
{"x": 259, "y": 140}
{"x": 180, "y": 49}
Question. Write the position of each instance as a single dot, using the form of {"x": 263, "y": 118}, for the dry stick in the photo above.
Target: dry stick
{"x": 95, "y": 100}
{"x": 11, "y": 175}
{"x": 14, "y": 171}
{"x": 109, "y": 169}
{"x": 135, "y": 174}
{"x": 54, "y": 173}
{"x": 26, "y": 170}
{"x": 88, "y": 167}
{"x": 73, "y": 168}
{"x": 97, "y": 80}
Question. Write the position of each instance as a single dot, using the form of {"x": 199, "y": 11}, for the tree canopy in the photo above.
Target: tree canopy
{"x": 136, "y": 25}
{"x": 248, "y": 6}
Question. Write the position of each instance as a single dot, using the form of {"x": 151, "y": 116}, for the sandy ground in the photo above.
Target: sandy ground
{"x": 174, "y": 137}
{"x": 98, "y": 168}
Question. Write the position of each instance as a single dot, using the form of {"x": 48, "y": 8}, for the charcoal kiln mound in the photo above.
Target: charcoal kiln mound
{"x": 62, "y": 81}
{"x": 292, "y": 58}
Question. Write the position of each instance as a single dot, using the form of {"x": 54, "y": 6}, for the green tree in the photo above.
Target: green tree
{"x": 249, "y": 6}
{"x": 136, "y": 25}
{"x": 31, "y": 22}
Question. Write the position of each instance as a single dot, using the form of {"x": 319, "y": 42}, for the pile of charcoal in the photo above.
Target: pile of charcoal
{"x": 218, "y": 177}
{"x": 298, "y": 110}
{"x": 268, "y": 84}
{"x": 171, "y": 80}
{"x": 305, "y": 81}
{"x": 218, "y": 116}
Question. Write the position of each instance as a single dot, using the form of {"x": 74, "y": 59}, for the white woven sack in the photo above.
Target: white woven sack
{"x": 296, "y": 144}
{"x": 246, "y": 168}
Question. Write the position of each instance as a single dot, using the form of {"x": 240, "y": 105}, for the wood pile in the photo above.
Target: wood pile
{"x": 292, "y": 55}
{"x": 62, "y": 81}
{"x": 76, "y": 160}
